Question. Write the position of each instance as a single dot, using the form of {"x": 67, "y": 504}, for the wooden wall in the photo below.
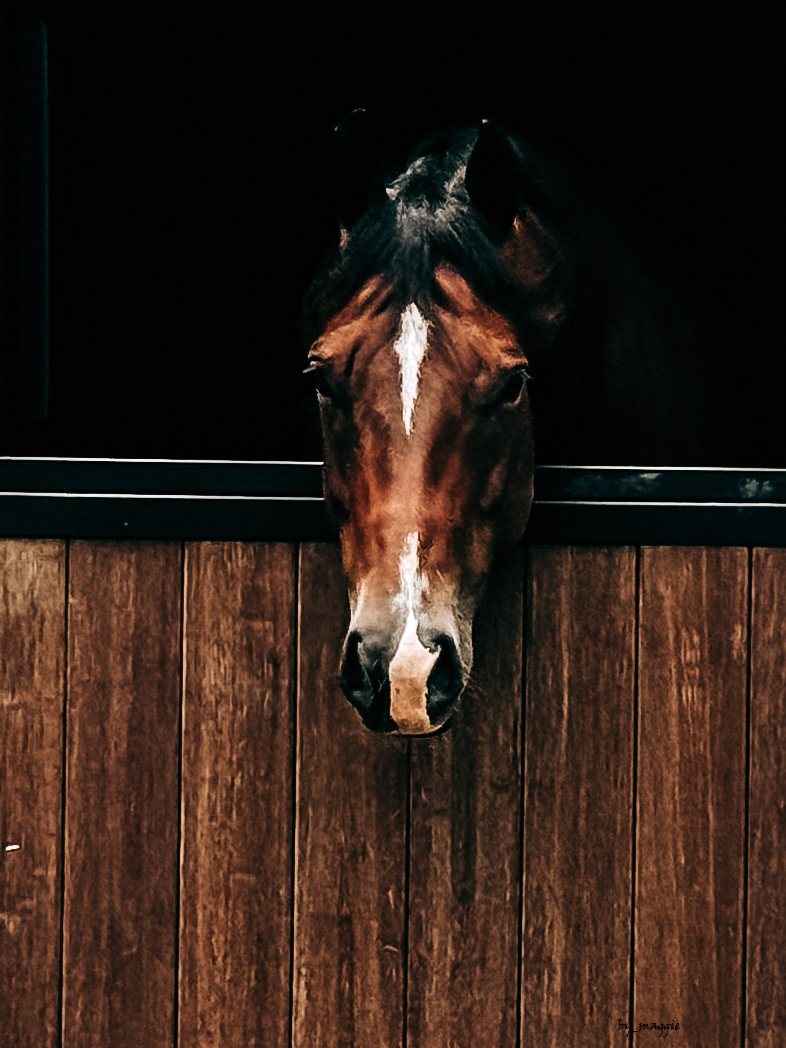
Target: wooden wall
{"x": 201, "y": 846}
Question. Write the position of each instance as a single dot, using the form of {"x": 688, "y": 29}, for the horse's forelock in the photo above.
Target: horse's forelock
{"x": 425, "y": 220}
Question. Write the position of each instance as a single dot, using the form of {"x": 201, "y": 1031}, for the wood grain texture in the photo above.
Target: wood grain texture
{"x": 465, "y": 854}
{"x": 350, "y": 858}
{"x": 578, "y": 800}
{"x": 32, "y": 658}
{"x": 122, "y": 795}
{"x": 239, "y": 656}
{"x": 691, "y": 794}
{"x": 766, "y": 961}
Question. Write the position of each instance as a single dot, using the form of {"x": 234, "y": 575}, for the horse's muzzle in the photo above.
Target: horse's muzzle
{"x": 411, "y": 692}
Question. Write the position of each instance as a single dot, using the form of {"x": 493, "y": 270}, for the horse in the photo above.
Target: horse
{"x": 451, "y": 281}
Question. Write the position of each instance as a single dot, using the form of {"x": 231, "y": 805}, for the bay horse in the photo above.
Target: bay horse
{"x": 450, "y": 279}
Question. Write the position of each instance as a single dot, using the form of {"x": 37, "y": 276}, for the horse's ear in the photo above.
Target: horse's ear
{"x": 358, "y": 169}
{"x": 505, "y": 193}
{"x": 534, "y": 261}
{"x": 493, "y": 177}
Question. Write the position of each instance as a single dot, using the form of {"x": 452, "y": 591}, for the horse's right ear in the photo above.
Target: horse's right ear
{"x": 358, "y": 169}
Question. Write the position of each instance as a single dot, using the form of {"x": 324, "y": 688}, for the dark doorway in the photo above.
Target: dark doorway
{"x": 189, "y": 203}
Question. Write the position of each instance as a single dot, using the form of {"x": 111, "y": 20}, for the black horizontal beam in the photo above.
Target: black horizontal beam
{"x": 281, "y": 501}
{"x": 657, "y": 524}
{"x": 220, "y": 517}
{"x": 305, "y": 519}
{"x": 664, "y": 484}
{"x": 212, "y": 477}
{"x": 161, "y": 476}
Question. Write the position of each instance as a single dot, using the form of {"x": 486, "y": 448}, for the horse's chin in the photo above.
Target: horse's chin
{"x": 398, "y": 733}
{"x": 442, "y": 729}
{"x": 386, "y": 726}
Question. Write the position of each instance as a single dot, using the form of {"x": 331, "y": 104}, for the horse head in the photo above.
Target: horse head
{"x": 446, "y": 280}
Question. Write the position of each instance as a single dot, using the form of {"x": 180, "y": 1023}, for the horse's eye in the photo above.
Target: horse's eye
{"x": 318, "y": 373}
{"x": 322, "y": 384}
{"x": 510, "y": 391}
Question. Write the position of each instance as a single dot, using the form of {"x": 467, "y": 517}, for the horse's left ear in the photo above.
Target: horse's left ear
{"x": 358, "y": 167}
{"x": 493, "y": 178}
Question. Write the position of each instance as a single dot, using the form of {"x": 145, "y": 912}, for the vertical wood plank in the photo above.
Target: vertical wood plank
{"x": 766, "y": 967}
{"x": 237, "y": 795}
{"x": 351, "y": 819}
{"x": 122, "y": 795}
{"x": 465, "y": 844}
{"x": 578, "y": 814}
{"x": 689, "y": 880}
{"x": 32, "y": 650}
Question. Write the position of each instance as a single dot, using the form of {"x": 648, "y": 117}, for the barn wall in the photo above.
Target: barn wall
{"x": 202, "y": 846}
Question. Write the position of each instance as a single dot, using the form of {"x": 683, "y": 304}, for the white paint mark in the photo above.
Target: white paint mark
{"x": 411, "y": 665}
{"x": 411, "y": 348}
{"x": 755, "y": 489}
{"x": 12, "y": 847}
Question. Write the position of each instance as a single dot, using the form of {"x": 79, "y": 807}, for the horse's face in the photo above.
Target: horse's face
{"x": 425, "y": 415}
{"x": 428, "y": 470}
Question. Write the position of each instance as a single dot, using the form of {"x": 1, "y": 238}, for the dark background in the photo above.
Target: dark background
{"x": 190, "y": 202}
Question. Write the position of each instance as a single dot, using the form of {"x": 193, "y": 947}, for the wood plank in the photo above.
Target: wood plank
{"x": 237, "y": 795}
{"x": 578, "y": 800}
{"x": 691, "y": 794}
{"x": 351, "y": 821}
{"x": 766, "y": 961}
{"x": 32, "y": 658}
{"x": 122, "y": 795}
{"x": 466, "y": 844}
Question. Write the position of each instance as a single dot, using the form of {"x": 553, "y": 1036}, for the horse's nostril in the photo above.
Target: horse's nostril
{"x": 353, "y": 677}
{"x": 446, "y": 678}
{"x": 364, "y": 682}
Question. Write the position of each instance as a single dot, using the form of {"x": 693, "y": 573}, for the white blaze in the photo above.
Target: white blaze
{"x": 412, "y": 663}
{"x": 410, "y": 582}
{"x": 411, "y": 348}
